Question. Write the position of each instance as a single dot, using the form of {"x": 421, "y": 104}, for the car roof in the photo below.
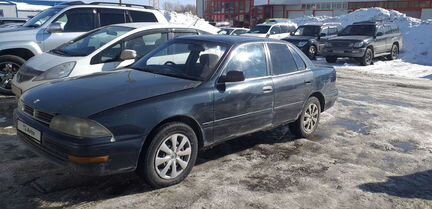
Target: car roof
{"x": 230, "y": 40}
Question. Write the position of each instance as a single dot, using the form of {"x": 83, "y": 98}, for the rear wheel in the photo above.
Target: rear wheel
{"x": 331, "y": 59}
{"x": 308, "y": 120}
{"x": 367, "y": 57}
{"x": 394, "y": 53}
{"x": 312, "y": 51}
{"x": 170, "y": 156}
{"x": 9, "y": 66}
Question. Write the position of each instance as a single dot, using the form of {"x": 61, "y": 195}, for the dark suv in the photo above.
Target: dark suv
{"x": 311, "y": 37}
{"x": 365, "y": 41}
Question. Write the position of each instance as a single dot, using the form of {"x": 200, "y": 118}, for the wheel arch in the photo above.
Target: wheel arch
{"x": 19, "y": 52}
{"x": 178, "y": 118}
{"x": 320, "y": 98}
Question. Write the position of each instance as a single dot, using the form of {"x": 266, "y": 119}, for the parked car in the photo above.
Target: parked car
{"x": 311, "y": 37}
{"x": 190, "y": 93}
{"x": 276, "y": 31}
{"x": 365, "y": 41}
{"x": 233, "y": 31}
{"x": 12, "y": 20}
{"x": 277, "y": 20}
{"x": 58, "y": 25}
{"x": 104, "y": 49}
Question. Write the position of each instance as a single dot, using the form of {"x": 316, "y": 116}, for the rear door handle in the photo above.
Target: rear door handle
{"x": 267, "y": 89}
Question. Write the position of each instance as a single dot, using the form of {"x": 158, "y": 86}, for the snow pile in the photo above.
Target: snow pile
{"x": 190, "y": 20}
{"x": 417, "y": 44}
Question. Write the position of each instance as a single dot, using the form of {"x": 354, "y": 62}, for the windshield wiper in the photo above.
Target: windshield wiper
{"x": 59, "y": 51}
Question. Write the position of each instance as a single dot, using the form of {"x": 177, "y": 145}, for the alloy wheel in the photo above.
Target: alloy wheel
{"x": 395, "y": 52}
{"x": 368, "y": 58}
{"x": 7, "y": 72}
{"x": 173, "y": 156}
{"x": 310, "y": 118}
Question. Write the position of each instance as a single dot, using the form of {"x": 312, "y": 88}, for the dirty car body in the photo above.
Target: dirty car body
{"x": 130, "y": 104}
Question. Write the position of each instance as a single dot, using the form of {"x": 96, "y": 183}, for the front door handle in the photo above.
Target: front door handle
{"x": 267, "y": 89}
{"x": 307, "y": 82}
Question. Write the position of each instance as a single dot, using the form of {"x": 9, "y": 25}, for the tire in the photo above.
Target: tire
{"x": 312, "y": 52}
{"x": 162, "y": 175}
{"x": 394, "y": 53}
{"x": 9, "y": 65}
{"x": 331, "y": 59}
{"x": 304, "y": 130}
{"x": 367, "y": 58}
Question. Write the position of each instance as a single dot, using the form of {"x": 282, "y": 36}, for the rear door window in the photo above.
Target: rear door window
{"x": 282, "y": 61}
{"x": 111, "y": 16}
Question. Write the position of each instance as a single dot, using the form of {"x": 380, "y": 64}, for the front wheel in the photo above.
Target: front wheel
{"x": 308, "y": 120}
{"x": 9, "y": 66}
{"x": 170, "y": 156}
{"x": 312, "y": 52}
{"x": 367, "y": 57}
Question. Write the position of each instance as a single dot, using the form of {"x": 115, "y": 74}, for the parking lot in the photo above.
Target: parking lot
{"x": 373, "y": 149}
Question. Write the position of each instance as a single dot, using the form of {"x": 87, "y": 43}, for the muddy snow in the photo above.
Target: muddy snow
{"x": 373, "y": 149}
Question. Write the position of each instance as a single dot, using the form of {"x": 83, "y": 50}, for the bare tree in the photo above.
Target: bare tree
{"x": 178, "y": 7}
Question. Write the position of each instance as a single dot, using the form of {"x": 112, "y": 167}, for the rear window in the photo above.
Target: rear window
{"x": 142, "y": 16}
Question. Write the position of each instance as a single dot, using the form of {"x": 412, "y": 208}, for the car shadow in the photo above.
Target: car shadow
{"x": 416, "y": 185}
{"x": 55, "y": 183}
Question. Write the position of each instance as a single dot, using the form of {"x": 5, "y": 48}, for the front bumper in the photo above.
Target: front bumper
{"x": 58, "y": 148}
{"x": 343, "y": 52}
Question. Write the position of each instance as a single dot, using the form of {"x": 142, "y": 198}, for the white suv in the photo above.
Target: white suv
{"x": 270, "y": 30}
{"x": 58, "y": 25}
{"x": 104, "y": 49}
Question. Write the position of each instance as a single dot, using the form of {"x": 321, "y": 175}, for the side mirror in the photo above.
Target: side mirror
{"x": 232, "y": 76}
{"x": 128, "y": 54}
{"x": 379, "y": 34}
{"x": 55, "y": 28}
{"x": 291, "y": 33}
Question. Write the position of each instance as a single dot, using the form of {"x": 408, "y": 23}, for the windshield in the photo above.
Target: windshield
{"x": 260, "y": 29}
{"x": 90, "y": 42}
{"x": 188, "y": 60}
{"x": 358, "y": 30}
{"x": 307, "y": 31}
{"x": 42, "y": 17}
{"x": 225, "y": 31}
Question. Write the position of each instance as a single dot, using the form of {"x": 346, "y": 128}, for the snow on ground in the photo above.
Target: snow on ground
{"x": 189, "y": 19}
{"x": 417, "y": 47}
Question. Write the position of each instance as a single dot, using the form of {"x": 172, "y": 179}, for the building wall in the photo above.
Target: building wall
{"x": 8, "y": 10}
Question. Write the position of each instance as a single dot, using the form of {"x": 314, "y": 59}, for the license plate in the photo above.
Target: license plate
{"x": 32, "y": 132}
{"x": 338, "y": 51}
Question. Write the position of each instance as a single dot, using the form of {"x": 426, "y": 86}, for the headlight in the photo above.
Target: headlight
{"x": 328, "y": 44}
{"x": 359, "y": 44}
{"x": 79, "y": 127}
{"x": 20, "y": 105}
{"x": 59, "y": 71}
{"x": 302, "y": 43}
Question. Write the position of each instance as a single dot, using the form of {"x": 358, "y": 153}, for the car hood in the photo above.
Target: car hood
{"x": 13, "y": 28}
{"x": 299, "y": 38}
{"x": 47, "y": 60}
{"x": 91, "y": 94}
{"x": 350, "y": 38}
{"x": 8, "y": 34}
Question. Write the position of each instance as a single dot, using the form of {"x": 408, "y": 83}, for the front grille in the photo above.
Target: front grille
{"x": 340, "y": 44}
{"x": 39, "y": 115}
{"x": 26, "y": 73}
